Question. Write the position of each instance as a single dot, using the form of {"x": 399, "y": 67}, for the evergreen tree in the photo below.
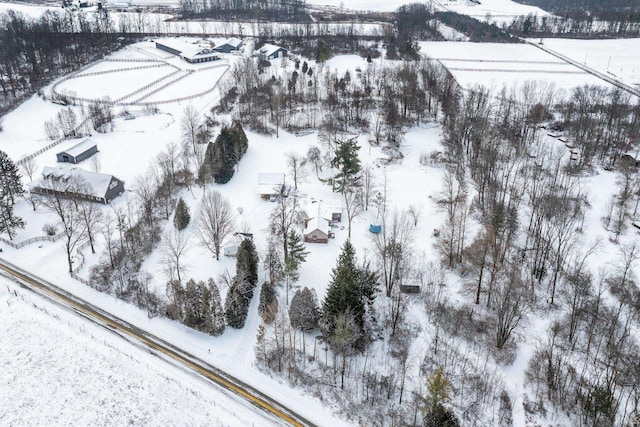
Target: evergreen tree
{"x": 240, "y": 141}
{"x": 10, "y": 189}
{"x": 247, "y": 262}
{"x": 438, "y": 395}
{"x": 237, "y": 302}
{"x": 296, "y": 255}
{"x": 215, "y": 323}
{"x": 350, "y": 291}
{"x": 182, "y": 217}
{"x": 268, "y": 307}
{"x": 224, "y": 153}
{"x": 347, "y": 162}
{"x": 321, "y": 52}
{"x": 193, "y": 313}
{"x": 304, "y": 311}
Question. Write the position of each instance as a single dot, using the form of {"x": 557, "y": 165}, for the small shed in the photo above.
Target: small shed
{"x": 272, "y": 51}
{"x": 270, "y": 184}
{"x": 317, "y": 230}
{"x": 78, "y": 152}
{"x": 410, "y": 289}
{"x": 229, "y": 45}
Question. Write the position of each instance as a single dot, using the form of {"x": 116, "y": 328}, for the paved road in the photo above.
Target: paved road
{"x": 156, "y": 345}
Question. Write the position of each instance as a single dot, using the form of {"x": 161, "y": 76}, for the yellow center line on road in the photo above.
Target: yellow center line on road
{"x": 121, "y": 326}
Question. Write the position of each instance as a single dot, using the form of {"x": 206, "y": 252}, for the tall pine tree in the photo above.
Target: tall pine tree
{"x": 214, "y": 323}
{"x": 351, "y": 290}
{"x": 10, "y": 190}
{"x": 182, "y": 217}
{"x": 247, "y": 262}
{"x": 296, "y": 255}
{"x": 347, "y": 162}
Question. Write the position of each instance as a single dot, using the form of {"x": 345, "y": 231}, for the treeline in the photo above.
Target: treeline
{"x": 530, "y": 254}
{"x": 623, "y": 25}
{"x": 476, "y": 30}
{"x": 274, "y": 10}
{"x": 381, "y": 101}
{"x": 606, "y": 10}
{"x": 33, "y": 51}
{"x": 418, "y": 22}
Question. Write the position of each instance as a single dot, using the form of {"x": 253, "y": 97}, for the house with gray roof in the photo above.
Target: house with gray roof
{"x": 75, "y": 182}
{"x": 272, "y": 51}
{"x": 229, "y": 45}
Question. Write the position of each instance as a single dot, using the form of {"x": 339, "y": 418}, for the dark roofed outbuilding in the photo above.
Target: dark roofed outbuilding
{"x": 78, "y": 152}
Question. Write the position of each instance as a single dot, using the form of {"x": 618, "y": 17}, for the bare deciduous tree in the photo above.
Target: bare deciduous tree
{"x": 314, "y": 156}
{"x": 354, "y": 205}
{"x": 190, "y": 125}
{"x": 284, "y": 216}
{"x": 296, "y": 164}
{"x": 66, "y": 208}
{"x": 175, "y": 245}
{"x": 215, "y": 221}
{"x": 92, "y": 217}
{"x": 28, "y": 166}
{"x": 393, "y": 247}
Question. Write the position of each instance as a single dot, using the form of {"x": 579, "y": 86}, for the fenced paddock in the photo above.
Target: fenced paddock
{"x": 496, "y": 64}
{"x": 138, "y": 80}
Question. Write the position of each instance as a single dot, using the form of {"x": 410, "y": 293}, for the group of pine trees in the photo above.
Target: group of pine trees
{"x": 223, "y": 154}
{"x": 197, "y": 305}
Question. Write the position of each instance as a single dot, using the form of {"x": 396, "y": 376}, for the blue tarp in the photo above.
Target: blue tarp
{"x": 375, "y": 228}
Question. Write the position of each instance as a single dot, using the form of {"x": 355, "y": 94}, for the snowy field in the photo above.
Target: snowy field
{"x": 496, "y": 65}
{"x": 491, "y": 11}
{"x": 60, "y": 369}
{"x": 618, "y": 58}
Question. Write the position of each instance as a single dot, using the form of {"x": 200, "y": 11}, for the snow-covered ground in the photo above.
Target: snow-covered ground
{"x": 492, "y": 11}
{"x": 496, "y": 65}
{"x": 60, "y": 369}
{"x": 617, "y": 57}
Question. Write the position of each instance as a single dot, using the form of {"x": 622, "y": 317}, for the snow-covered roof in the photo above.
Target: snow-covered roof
{"x": 186, "y": 49}
{"x": 317, "y": 223}
{"x": 323, "y": 208}
{"x": 270, "y": 183}
{"x": 80, "y": 147}
{"x": 98, "y": 183}
{"x": 233, "y": 42}
{"x": 176, "y": 44}
{"x": 327, "y": 207}
{"x": 271, "y": 179}
{"x": 269, "y": 49}
{"x": 198, "y": 51}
